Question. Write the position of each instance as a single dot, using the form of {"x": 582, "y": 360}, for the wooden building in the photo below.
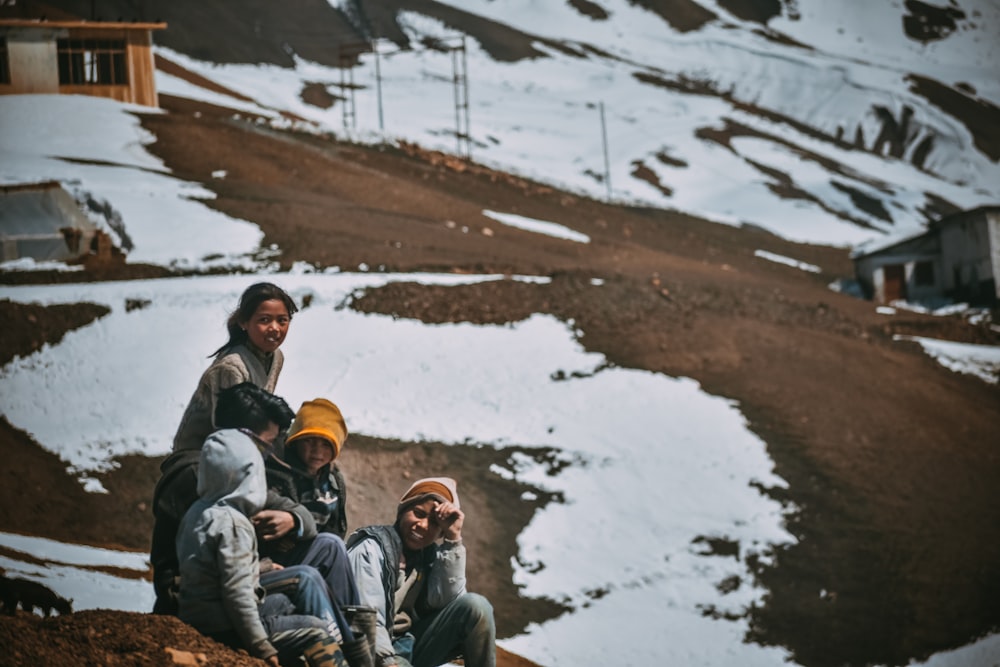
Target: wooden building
{"x": 957, "y": 259}
{"x": 47, "y": 52}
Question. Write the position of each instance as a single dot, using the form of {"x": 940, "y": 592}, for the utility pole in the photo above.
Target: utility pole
{"x": 604, "y": 140}
{"x": 378, "y": 86}
{"x": 460, "y": 78}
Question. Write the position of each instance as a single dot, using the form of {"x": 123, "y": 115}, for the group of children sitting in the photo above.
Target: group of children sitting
{"x": 250, "y": 516}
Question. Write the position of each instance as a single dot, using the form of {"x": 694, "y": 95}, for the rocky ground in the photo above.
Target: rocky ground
{"x": 891, "y": 460}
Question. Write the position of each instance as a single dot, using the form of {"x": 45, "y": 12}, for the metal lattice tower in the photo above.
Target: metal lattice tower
{"x": 347, "y": 89}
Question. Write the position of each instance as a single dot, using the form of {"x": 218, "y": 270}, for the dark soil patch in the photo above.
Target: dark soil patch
{"x": 760, "y": 11}
{"x": 681, "y": 15}
{"x": 111, "y": 639}
{"x": 35, "y": 325}
{"x": 927, "y": 23}
{"x": 121, "y": 519}
{"x": 318, "y": 95}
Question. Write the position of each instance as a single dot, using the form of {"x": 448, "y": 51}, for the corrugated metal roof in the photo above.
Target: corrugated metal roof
{"x": 43, "y": 221}
{"x": 886, "y": 242}
{"x": 965, "y": 215}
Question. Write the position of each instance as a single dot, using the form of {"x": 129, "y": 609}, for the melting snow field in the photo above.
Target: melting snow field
{"x": 655, "y": 462}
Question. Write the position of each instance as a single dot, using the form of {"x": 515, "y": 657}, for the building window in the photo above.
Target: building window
{"x": 4, "y": 62}
{"x": 92, "y": 61}
{"x": 923, "y": 274}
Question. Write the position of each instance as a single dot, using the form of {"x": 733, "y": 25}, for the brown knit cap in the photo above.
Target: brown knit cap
{"x": 319, "y": 418}
{"x": 438, "y": 488}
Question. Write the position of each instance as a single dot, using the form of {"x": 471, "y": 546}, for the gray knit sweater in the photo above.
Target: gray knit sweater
{"x": 237, "y": 364}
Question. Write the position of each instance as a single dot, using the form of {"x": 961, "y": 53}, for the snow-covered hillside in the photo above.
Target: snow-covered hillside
{"x": 829, "y": 124}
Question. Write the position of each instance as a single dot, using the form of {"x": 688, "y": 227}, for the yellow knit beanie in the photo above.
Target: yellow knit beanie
{"x": 319, "y": 417}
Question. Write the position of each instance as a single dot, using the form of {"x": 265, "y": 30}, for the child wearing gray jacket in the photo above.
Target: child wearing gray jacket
{"x": 413, "y": 574}
{"x": 220, "y": 592}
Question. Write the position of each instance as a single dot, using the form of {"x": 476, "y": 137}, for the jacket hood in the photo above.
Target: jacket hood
{"x": 231, "y": 472}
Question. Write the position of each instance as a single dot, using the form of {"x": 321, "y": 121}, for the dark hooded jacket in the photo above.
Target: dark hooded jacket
{"x": 324, "y": 495}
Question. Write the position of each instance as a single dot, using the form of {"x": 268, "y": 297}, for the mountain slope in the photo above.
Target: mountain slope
{"x": 817, "y": 122}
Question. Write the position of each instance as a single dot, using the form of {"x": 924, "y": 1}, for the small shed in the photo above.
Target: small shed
{"x": 901, "y": 268}
{"x": 970, "y": 254}
{"x": 45, "y": 51}
{"x": 956, "y": 259}
{"x": 44, "y": 222}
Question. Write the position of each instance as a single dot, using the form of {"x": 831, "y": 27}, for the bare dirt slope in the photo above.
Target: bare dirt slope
{"x": 890, "y": 458}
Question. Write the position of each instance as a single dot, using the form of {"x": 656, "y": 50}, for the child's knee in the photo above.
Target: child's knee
{"x": 331, "y": 543}
{"x": 311, "y": 577}
{"x": 477, "y": 607}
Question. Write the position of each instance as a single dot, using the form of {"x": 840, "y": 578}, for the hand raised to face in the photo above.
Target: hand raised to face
{"x": 427, "y": 522}
{"x": 450, "y": 518}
